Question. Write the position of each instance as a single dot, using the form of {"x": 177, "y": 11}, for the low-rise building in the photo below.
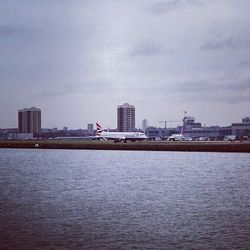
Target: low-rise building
{"x": 19, "y": 136}
{"x": 241, "y": 129}
{"x": 195, "y": 131}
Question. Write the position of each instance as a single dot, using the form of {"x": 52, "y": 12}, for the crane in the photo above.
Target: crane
{"x": 165, "y": 122}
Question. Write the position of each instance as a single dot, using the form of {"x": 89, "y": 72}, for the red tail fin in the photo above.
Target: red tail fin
{"x": 99, "y": 128}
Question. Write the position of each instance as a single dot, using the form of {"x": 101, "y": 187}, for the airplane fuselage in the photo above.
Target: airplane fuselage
{"x": 123, "y": 135}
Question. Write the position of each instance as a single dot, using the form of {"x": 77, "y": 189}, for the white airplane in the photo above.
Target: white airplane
{"x": 119, "y": 136}
{"x": 179, "y": 137}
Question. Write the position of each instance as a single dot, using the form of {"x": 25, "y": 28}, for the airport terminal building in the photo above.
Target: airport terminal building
{"x": 196, "y": 131}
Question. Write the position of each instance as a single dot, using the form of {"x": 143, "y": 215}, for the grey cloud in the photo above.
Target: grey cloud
{"x": 151, "y": 53}
{"x": 168, "y": 6}
{"x": 240, "y": 85}
{"x": 232, "y": 82}
{"x": 229, "y": 98}
{"x": 234, "y": 99}
{"x": 229, "y": 85}
{"x": 193, "y": 86}
{"x": 86, "y": 87}
{"x": 165, "y": 7}
{"x": 225, "y": 44}
{"x": 148, "y": 48}
{"x": 244, "y": 64}
{"x": 9, "y": 30}
{"x": 231, "y": 91}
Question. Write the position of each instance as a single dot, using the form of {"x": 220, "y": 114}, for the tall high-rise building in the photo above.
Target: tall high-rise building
{"x": 144, "y": 124}
{"x": 90, "y": 128}
{"x": 126, "y": 118}
{"x": 29, "y": 120}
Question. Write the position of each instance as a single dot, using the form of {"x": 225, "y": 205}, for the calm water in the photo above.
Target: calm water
{"x": 66, "y": 199}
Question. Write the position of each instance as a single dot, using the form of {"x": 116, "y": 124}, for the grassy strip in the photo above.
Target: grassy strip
{"x": 144, "y": 146}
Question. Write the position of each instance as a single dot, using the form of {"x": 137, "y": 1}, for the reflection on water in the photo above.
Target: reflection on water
{"x": 66, "y": 199}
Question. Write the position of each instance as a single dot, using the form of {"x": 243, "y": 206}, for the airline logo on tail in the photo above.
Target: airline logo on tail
{"x": 182, "y": 130}
{"x": 99, "y": 128}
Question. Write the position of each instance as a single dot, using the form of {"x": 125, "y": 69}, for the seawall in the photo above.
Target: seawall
{"x": 204, "y": 146}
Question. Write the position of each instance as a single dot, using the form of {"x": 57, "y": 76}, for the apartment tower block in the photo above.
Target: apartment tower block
{"x": 29, "y": 120}
{"x": 126, "y": 118}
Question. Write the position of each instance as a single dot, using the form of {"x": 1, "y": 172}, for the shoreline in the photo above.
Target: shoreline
{"x": 193, "y": 146}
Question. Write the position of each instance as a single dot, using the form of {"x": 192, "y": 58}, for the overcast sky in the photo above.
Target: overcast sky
{"x": 77, "y": 60}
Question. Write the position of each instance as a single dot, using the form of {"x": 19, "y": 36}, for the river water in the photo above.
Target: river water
{"x": 78, "y": 199}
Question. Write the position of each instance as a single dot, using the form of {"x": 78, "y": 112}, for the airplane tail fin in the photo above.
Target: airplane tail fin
{"x": 182, "y": 130}
{"x": 99, "y": 128}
